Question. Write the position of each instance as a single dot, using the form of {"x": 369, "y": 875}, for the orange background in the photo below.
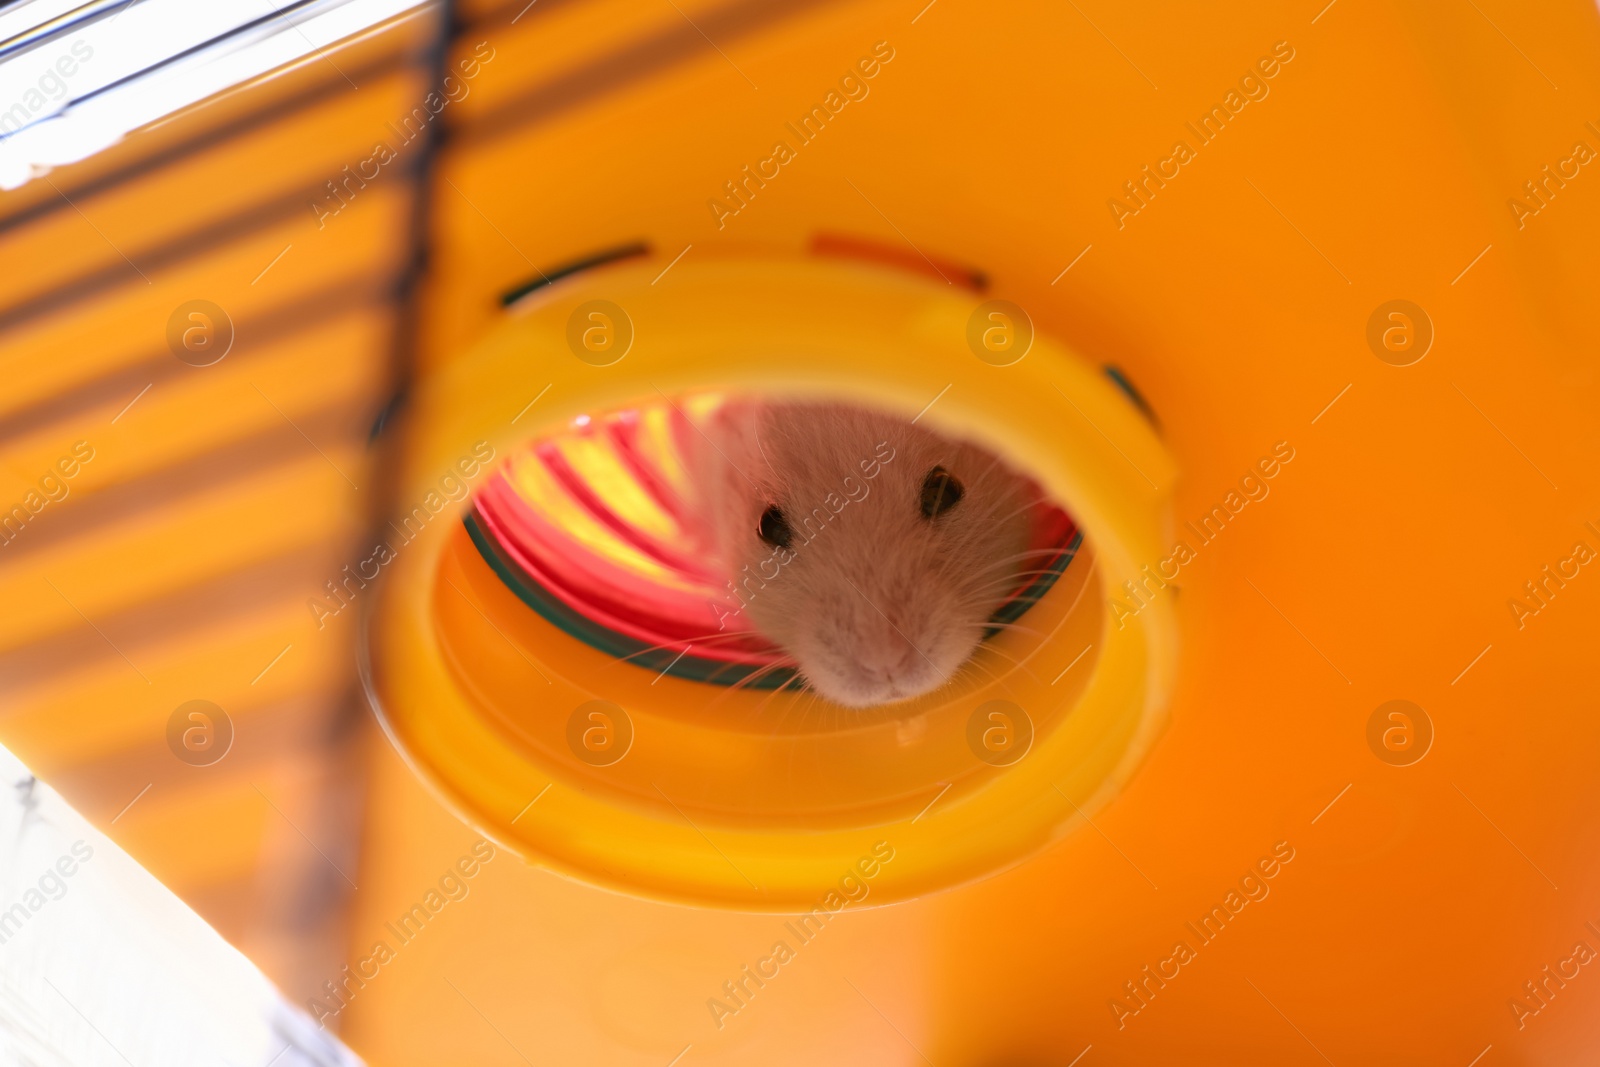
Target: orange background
{"x": 1381, "y": 564}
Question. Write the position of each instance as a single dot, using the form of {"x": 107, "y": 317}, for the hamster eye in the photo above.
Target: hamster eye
{"x": 773, "y": 528}
{"x": 940, "y": 493}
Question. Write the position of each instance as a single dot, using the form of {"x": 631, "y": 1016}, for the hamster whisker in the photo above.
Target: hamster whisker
{"x": 752, "y": 678}
{"x": 1032, "y": 502}
{"x": 975, "y": 526}
{"x": 755, "y": 432}
{"x": 972, "y": 667}
{"x": 1019, "y": 557}
{"x": 787, "y": 682}
{"x": 1011, "y": 572}
{"x": 1011, "y": 564}
{"x": 1019, "y": 664}
{"x": 804, "y": 708}
{"x": 1011, "y": 576}
{"x": 1002, "y": 677}
{"x": 1012, "y": 626}
{"x": 703, "y": 639}
{"x": 996, "y": 591}
{"x": 712, "y": 679}
{"x": 994, "y": 461}
{"x": 726, "y": 635}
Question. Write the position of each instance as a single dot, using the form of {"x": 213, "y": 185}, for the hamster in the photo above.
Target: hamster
{"x": 871, "y": 550}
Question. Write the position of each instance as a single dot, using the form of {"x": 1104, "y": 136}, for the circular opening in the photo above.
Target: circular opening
{"x": 561, "y": 656}
{"x": 792, "y": 608}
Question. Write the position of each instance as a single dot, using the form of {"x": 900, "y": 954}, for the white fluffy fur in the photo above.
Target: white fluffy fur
{"x": 880, "y": 604}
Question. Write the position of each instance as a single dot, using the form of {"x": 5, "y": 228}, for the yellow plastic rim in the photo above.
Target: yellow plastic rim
{"x": 478, "y": 693}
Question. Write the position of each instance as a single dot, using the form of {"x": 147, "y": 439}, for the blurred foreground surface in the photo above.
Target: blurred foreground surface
{"x": 101, "y": 964}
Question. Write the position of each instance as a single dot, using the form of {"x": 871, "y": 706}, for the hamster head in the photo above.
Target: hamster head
{"x": 871, "y": 550}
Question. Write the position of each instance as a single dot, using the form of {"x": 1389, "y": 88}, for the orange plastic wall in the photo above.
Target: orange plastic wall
{"x": 1419, "y": 501}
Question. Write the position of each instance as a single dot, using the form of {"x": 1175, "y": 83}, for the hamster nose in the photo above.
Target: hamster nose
{"x": 888, "y": 660}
